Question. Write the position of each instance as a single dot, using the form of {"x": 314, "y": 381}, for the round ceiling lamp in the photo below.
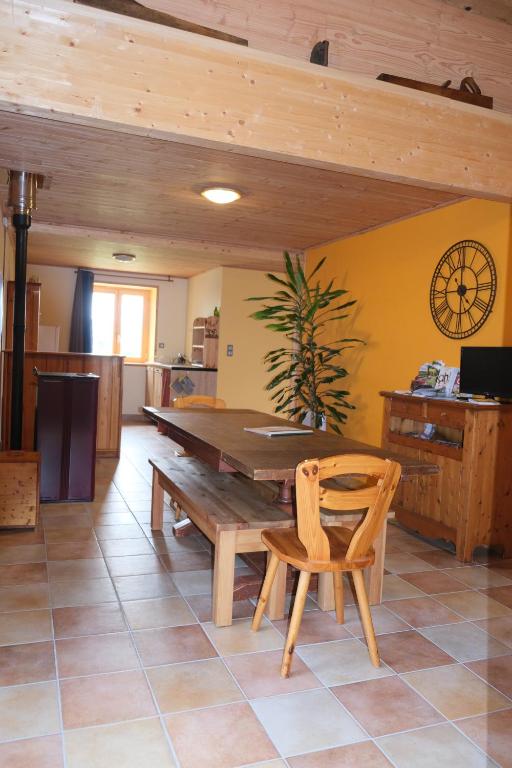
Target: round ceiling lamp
{"x": 125, "y": 257}
{"x": 221, "y": 195}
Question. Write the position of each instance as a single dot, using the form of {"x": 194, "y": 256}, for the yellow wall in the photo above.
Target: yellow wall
{"x": 389, "y": 271}
{"x": 242, "y": 378}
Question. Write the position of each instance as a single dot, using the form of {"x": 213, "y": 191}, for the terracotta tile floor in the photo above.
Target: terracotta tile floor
{"x": 109, "y": 659}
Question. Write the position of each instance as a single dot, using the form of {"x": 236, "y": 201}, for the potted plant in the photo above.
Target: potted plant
{"x": 306, "y": 372}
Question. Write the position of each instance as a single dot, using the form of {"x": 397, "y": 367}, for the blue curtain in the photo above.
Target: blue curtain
{"x": 80, "y": 339}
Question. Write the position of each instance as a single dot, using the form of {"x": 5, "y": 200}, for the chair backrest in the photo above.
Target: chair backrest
{"x": 198, "y": 401}
{"x": 375, "y": 482}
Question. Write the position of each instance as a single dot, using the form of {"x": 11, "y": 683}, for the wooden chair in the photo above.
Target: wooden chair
{"x": 312, "y": 548}
{"x": 198, "y": 401}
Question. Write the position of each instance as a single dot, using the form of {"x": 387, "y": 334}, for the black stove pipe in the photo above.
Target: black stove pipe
{"x": 21, "y": 223}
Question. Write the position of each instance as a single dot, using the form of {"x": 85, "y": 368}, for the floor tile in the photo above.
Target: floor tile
{"x": 441, "y": 745}
{"x": 315, "y": 627}
{"x": 405, "y": 651}
{"x": 109, "y": 532}
{"x": 395, "y": 588}
{"x": 499, "y": 628}
{"x": 465, "y": 642}
{"x": 12, "y": 538}
{"x": 126, "y": 745}
{"x": 28, "y": 710}
{"x": 114, "y": 518}
{"x": 27, "y": 553}
{"x": 23, "y": 573}
{"x": 193, "y": 685}
{"x": 404, "y": 563}
{"x": 134, "y": 565}
{"x": 173, "y": 644}
{"x": 72, "y": 570}
{"x": 502, "y": 595}
{"x": 95, "y": 654}
{"x": 384, "y": 621}
{"x": 365, "y": 702}
{"x": 74, "y": 550}
{"x": 121, "y": 547}
{"x": 65, "y": 594}
{"x": 492, "y": 734}
{"x": 474, "y": 605}
{"x": 268, "y": 764}
{"x": 194, "y": 582}
{"x": 440, "y": 559}
{"x": 24, "y": 598}
{"x": 344, "y": 661}
{"x": 43, "y": 752}
{"x": 307, "y": 721}
{"x": 26, "y": 663}
{"x": 219, "y": 737}
{"x": 361, "y": 755}
{"x": 159, "y": 612}
{"x": 187, "y": 561}
{"x": 167, "y": 545}
{"x": 105, "y": 699}
{"x": 480, "y": 577}
{"x": 88, "y": 620}
{"x": 422, "y": 612}
{"x": 202, "y": 607}
{"x": 258, "y": 674}
{"x": 62, "y": 535}
{"x": 435, "y": 582}
{"x": 497, "y": 672}
{"x": 455, "y": 691}
{"x": 239, "y": 637}
{"x": 25, "y": 627}
{"x": 148, "y": 585}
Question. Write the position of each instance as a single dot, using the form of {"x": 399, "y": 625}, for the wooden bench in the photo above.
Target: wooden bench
{"x": 229, "y": 510}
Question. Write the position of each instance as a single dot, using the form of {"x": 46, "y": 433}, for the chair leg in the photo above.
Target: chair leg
{"x": 337, "y": 577}
{"x": 366, "y": 617}
{"x": 293, "y": 631}
{"x": 265, "y": 591}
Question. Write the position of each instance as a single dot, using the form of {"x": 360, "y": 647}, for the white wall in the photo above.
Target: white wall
{"x": 57, "y": 289}
{"x": 204, "y": 294}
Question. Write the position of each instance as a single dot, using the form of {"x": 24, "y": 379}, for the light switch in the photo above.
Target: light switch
{"x": 161, "y": 345}
{"x": 229, "y": 350}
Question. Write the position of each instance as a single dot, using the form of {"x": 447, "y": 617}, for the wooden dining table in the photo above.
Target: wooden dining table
{"x": 219, "y": 438}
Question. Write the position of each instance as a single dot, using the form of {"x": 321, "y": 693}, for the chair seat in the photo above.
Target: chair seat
{"x": 287, "y": 546}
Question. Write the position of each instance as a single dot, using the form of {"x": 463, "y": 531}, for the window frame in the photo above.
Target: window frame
{"x": 119, "y": 290}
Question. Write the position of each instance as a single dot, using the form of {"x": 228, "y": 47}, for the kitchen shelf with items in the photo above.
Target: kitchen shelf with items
{"x": 205, "y": 341}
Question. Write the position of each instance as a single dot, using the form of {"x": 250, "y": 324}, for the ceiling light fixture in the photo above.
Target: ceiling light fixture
{"x": 124, "y": 256}
{"x": 221, "y": 195}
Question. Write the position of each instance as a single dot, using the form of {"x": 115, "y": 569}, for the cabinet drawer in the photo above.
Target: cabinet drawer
{"x": 444, "y": 415}
{"x": 408, "y": 409}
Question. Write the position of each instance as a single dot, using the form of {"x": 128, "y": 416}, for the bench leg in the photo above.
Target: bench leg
{"x": 325, "y": 591}
{"x": 157, "y": 503}
{"x": 277, "y": 596}
{"x": 224, "y": 578}
{"x": 375, "y": 574}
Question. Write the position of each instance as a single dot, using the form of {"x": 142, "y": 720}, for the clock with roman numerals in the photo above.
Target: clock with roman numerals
{"x": 463, "y": 289}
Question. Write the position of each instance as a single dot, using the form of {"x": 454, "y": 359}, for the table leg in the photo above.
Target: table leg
{"x": 224, "y": 578}
{"x": 326, "y": 591}
{"x": 157, "y": 503}
{"x": 285, "y": 492}
{"x": 277, "y": 597}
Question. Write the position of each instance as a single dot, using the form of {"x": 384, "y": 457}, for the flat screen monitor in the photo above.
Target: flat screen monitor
{"x": 486, "y": 371}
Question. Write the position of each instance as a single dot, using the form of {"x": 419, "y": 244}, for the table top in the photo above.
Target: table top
{"x": 218, "y": 438}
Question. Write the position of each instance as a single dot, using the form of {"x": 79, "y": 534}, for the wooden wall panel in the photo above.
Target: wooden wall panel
{"x": 110, "y": 371}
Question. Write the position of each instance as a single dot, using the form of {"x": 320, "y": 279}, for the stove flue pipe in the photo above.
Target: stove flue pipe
{"x": 22, "y": 199}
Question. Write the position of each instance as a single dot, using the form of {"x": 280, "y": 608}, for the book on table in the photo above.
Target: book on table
{"x": 278, "y": 431}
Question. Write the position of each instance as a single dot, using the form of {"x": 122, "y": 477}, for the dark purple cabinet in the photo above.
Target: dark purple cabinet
{"x": 67, "y": 406}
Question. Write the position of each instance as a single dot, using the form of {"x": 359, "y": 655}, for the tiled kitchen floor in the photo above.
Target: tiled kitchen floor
{"x": 108, "y": 658}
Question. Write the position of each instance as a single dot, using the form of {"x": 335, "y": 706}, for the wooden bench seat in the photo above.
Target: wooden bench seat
{"x": 230, "y": 511}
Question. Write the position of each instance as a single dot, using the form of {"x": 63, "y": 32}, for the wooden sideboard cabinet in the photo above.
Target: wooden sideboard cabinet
{"x": 470, "y": 501}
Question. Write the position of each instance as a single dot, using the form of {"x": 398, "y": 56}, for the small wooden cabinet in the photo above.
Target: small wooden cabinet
{"x": 470, "y": 501}
{"x": 33, "y": 300}
{"x": 205, "y": 341}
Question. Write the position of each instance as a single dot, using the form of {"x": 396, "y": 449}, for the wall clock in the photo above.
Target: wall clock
{"x": 463, "y": 289}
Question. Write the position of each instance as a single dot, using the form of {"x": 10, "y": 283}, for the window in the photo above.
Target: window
{"x": 121, "y": 321}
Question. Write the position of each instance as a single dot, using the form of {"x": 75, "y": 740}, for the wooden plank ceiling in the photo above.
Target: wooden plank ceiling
{"x": 112, "y": 192}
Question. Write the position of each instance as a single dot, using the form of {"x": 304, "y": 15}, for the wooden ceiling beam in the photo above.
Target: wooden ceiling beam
{"x": 81, "y": 65}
